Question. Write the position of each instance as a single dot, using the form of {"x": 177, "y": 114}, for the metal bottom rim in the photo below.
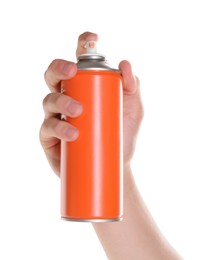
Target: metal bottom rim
{"x": 92, "y": 219}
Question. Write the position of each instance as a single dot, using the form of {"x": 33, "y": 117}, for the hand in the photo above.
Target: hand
{"x": 55, "y": 103}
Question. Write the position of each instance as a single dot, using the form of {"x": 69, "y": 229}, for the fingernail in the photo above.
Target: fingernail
{"x": 83, "y": 44}
{"x": 72, "y": 133}
{"x": 74, "y": 108}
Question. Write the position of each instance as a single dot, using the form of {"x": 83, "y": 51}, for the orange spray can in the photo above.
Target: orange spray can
{"x": 91, "y": 166}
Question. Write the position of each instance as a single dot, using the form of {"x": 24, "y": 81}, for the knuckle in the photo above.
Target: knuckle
{"x": 46, "y": 100}
{"x": 42, "y": 132}
{"x": 45, "y": 75}
{"x": 137, "y": 81}
{"x": 51, "y": 127}
{"x": 56, "y": 103}
{"x": 54, "y": 64}
{"x": 61, "y": 102}
{"x": 140, "y": 115}
{"x": 83, "y": 35}
{"x": 52, "y": 67}
{"x": 44, "y": 127}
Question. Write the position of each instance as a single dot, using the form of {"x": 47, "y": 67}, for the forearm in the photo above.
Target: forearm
{"x": 137, "y": 236}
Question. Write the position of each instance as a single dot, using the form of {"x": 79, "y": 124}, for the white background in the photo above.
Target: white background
{"x": 162, "y": 41}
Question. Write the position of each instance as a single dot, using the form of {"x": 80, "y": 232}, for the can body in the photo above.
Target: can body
{"x": 91, "y": 166}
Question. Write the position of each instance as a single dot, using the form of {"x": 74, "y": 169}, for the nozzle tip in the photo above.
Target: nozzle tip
{"x": 91, "y": 47}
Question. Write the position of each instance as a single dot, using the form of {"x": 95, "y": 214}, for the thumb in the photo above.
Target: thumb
{"x": 130, "y": 81}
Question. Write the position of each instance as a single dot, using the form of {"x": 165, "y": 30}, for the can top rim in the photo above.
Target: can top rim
{"x": 94, "y": 61}
{"x": 88, "y": 56}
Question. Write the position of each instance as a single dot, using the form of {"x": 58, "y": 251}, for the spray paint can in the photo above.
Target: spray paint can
{"x": 91, "y": 166}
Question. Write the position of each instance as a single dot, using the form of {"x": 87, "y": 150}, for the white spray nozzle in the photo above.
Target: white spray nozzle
{"x": 91, "y": 47}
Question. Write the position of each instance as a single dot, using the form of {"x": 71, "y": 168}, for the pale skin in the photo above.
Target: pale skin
{"x": 137, "y": 237}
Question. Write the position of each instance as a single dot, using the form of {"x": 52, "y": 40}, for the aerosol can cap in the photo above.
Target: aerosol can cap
{"x": 92, "y": 60}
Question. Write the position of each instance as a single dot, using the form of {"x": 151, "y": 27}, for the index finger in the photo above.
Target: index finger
{"x": 61, "y": 69}
{"x": 82, "y": 39}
